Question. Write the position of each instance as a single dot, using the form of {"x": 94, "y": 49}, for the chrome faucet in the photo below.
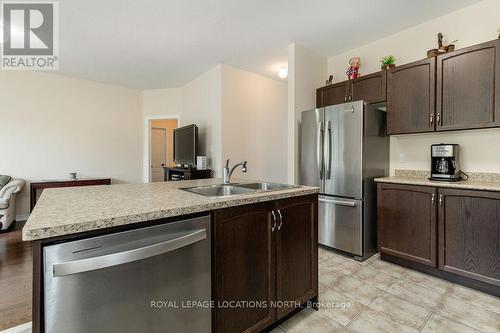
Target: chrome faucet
{"x": 228, "y": 173}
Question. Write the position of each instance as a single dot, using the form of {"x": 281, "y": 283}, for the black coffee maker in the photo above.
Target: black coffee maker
{"x": 444, "y": 159}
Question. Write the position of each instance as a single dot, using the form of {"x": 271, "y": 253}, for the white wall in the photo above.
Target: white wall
{"x": 157, "y": 104}
{"x": 198, "y": 102}
{"x": 201, "y": 100}
{"x": 254, "y": 113}
{"x": 161, "y": 102}
{"x": 471, "y": 25}
{"x": 52, "y": 125}
{"x": 240, "y": 115}
{"x": 306, "y": 72}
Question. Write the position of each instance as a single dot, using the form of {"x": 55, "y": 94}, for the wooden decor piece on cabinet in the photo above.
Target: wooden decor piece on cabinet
{"x": 371, "y": 88}
{"x": 468, "y": 89}
{"x": 411, "y": 97}
{"x": 413, "y": 237}
{"x": 469, "y": 234}
{"x": 333, "y": 94}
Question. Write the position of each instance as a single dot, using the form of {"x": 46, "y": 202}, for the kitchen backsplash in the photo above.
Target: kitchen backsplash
{"x": 479, "y": 150}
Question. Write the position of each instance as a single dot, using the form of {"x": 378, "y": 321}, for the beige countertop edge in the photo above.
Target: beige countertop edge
{"x": 465, "y": 184}
{"x": 32, "y": 233}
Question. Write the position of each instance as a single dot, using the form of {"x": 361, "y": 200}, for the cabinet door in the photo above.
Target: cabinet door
{"x": 469, "y": 234}
{"x": 411, "y": 97}
{"x": 297, "y": 251}
{"x": 244, "y": 266}
{"x": 468, "y": 90}
{"x": 369, "y": 88}
{"x": 406, "y": 222}
{"x": 330, "y": 95}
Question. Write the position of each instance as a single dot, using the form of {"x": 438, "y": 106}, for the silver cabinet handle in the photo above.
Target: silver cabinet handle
{"x": 339, "y": 202}
{"x": 273, "y": 226}
{"x": 319, "y": 149}
{"x": 438, "y": 119}
{"x": 114, "y": 259}
{"x": 433, "y": 199}
{"x": 281, "y": 220}
{"x": 441, "y": 200}
{"x": 432, "y": 119}
{"x": 329, "y": 150}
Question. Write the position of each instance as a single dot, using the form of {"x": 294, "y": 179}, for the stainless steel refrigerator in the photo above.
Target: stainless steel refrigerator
{"x": 343, "y": 148}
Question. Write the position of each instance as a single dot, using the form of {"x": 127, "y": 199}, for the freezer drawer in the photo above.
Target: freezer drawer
{"x": 132, "y": 281}
{"x": 341, "y": 224}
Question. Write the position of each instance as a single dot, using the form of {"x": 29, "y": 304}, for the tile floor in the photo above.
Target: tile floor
{"x": 376, "y": 296}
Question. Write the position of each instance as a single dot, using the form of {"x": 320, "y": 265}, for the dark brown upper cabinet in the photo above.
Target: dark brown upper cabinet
{"x": 370, "y": 88}
{"x": 411, "y": 97}
{"x": 406, "y": 222}
{"x": 296, "y": 251}
{"x": 468, "y": 89}
{"x": 469, "y": 234}
{"x": 334, "y": 94}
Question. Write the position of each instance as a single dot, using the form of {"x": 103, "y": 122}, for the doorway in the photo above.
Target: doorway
{"x": 161, "y": 147}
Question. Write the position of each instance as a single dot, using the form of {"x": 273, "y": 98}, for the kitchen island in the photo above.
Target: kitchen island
{"x": 262, "y": 245}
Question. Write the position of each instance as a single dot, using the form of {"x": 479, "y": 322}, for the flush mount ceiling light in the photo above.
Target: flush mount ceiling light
{"x": 283, "y": 72}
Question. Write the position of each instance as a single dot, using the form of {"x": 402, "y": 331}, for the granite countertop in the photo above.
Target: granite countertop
{"x": 65, "y": 211}
{"x": 476, "y": 181}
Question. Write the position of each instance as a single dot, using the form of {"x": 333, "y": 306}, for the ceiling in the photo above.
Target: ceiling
{"x": 159, "y": 44}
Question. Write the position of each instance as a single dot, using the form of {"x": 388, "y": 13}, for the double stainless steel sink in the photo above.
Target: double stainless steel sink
{"x": 225, "y": 190}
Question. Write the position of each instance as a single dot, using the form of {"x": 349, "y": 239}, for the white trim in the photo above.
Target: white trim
{"x": 146, "y": 171}
{"x": 21, "y": 218}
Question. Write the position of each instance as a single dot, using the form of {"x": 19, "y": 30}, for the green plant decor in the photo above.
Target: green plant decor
{"x": 387, "y": 61}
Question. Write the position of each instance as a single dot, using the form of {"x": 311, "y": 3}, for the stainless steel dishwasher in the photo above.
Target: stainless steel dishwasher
{"x": 154, "y": 279}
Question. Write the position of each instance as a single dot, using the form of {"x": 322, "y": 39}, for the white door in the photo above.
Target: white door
{"x": 158, "y": 153}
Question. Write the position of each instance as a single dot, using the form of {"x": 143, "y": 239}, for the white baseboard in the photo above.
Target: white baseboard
{"x": 22, "y": 217}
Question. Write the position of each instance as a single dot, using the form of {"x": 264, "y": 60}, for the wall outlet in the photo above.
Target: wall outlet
{"x": 402, "y": 157}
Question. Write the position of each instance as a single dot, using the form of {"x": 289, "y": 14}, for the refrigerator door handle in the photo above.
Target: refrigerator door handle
{"x": 339, "y": 202}
{"x": 319, "y": 149}
{"x": 329, "y": 151}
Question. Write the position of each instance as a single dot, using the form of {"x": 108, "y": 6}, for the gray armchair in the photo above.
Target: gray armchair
{"x": 8, "y": 202}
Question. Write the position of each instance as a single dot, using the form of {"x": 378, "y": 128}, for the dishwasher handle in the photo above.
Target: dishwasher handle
{"x": 114, "y": 259}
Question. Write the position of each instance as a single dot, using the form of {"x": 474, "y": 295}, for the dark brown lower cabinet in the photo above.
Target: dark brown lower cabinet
{"x": 244, "y": 266}
{"x": 469, "y": 234}
{"x": 463, "y": 246}
{"x": 265, "y": 253}
{"x": 296, "y": 252}
{"x": 407, "y": 222}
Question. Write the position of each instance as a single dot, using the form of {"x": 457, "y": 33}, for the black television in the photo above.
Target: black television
{"x": 186, "y": 145}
